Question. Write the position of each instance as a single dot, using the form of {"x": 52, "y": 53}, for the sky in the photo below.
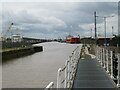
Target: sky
{"x": 52, "y": 20}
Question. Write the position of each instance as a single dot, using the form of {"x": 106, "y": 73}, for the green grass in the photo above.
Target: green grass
{"x": 13, "y": 48}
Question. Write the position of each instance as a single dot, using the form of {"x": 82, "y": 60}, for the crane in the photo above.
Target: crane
{"x": 8, "y": 30}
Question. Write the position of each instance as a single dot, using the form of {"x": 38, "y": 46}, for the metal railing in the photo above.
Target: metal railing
{"x": 66, "y": 75}
{"x": 110, "y": 62}
{"x": 49, "y": 86}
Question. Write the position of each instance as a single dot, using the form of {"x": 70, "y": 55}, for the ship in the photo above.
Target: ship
{"x": 71, "y": 39}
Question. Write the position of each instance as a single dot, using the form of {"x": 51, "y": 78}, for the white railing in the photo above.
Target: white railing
{"x": 66, "y": 75}
{"x": 110, "y": 62}
{"x": 49, "y": 86}
{"x": 118, "y": 83}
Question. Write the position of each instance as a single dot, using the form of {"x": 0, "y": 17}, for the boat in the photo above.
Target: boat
{"x": 71, "y": 39}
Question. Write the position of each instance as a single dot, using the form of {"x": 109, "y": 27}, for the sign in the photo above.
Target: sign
{"x": 106, "y": 42}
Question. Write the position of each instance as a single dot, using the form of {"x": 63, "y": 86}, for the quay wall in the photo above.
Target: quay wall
{"x": 10, "y": 54}
{"x": 10, "y": 44}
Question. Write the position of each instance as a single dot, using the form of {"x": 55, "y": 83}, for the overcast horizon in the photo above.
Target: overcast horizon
{"x": 58, "y": 19}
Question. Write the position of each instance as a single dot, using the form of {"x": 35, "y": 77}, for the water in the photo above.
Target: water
{"x": 38, "y": 69}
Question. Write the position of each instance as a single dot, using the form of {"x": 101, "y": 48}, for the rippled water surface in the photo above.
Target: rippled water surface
{"x": 38, "y": 69}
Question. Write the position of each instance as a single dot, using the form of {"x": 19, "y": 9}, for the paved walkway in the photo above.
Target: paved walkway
{"x": 91, "y": 76}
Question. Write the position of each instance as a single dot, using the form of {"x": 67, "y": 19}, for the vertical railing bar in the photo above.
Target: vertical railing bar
{"x": 99, "y": 53}
{"x": 58, "y": 78}
{"x": 101, "y": 57}
{"x": 69, "y": 70}
{"x": 107, "y": 61}
{"x": 111, "y": 57}
{"x": 66, "y": 72}
{"x": 104, "y": 57}
{"x": 118, "y": 78}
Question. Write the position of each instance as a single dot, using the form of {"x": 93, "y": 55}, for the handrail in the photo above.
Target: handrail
{"x": 65, "y": 75}
{"x": 69, "y": 70}
{"x": 50, "y": 85}
{"x": 110, "y": 62}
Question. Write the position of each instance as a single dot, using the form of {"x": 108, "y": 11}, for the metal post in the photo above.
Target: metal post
{"x": 105, "y": 30}
{"x": 107, "y": 61}
{"x": 69, "y": 70}
{"x": 118, "y": 78}
{"x": 99, "y": 53}
{"x": 95, "y": 28}
{"x": 104, "y": 57}
{"x": 59, "y": 78}
{"x": 111, "y": 57}
{"x": 101, "y": 56}
{"x": 96, "y": 53}
{"x": 66, "y": 73}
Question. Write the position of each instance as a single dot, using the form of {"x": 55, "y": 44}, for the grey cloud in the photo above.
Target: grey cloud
{"x": 51, "y": 18}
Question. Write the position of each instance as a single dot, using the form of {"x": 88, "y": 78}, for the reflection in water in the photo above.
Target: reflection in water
{"x": 37, "y": 70}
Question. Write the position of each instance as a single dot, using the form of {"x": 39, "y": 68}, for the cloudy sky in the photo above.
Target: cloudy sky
{"x": 58, "y": 19}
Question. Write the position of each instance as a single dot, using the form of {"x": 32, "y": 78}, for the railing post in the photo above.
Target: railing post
{"x": 59, "y": 78}
{"x": 66, "y": 73}
{"x": 99, "y": 53}
{"x": 104, "y": 57}
{"x": 107, "y": 61}
{"x": 69, "y": 73}
{"x": 96, "y": 52}
{"x": 118, "y": 78}
{"x": 111, "y": 57}
{"x": 101, "y": 56}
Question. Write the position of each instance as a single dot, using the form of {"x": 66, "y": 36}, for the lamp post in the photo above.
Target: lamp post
{"x": 95, "y": 28}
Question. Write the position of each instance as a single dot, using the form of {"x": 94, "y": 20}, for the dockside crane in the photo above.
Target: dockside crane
{"x": 4, "y": 37}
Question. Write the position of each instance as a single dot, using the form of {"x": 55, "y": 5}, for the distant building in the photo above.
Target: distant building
{"x": 88, "y": 40}
{"x": 17, "y": 38}
{"x": 105, "y": 41}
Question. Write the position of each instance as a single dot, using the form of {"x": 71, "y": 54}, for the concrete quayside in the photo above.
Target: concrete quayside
{"x": 19, "y": 52}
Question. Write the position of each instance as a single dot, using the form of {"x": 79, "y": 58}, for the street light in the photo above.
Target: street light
{"x": 105, "y": 17}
